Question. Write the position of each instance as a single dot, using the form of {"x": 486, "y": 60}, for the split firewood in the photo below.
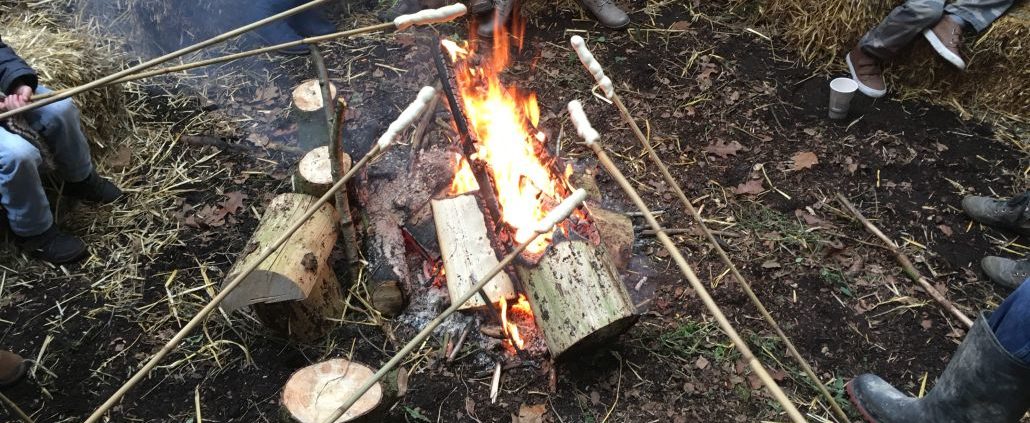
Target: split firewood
{"x": 309, "y": 113}
{"x": 298, "y": 277}
{"x": 577, "y": 298}
{"x": 466, "y": 250}
{"x": 314, "y": 392}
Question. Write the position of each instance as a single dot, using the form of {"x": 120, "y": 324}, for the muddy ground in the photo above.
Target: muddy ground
{"x": 739, "y": 123}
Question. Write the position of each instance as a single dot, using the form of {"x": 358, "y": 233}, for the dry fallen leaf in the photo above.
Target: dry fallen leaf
{"x": 752, "y": 187}
{"x": 233, "y": 202}
{"x": 723, "y": 149}
{"x": 701, "y": 363}
{"x": 530, "y": 414}
{"x": 805, "y": 160}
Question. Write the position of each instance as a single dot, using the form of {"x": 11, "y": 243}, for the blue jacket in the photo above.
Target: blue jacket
{"x": 14, "y": 71}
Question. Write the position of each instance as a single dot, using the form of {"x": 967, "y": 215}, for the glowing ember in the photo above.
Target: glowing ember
{"x": 504, "y": 121}
{"x": 464, "y": 179}
{"x": 521, "y": 307}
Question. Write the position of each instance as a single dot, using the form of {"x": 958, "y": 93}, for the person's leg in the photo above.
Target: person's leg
{"x": 979, "y": 14}
{"x": 21, "y": 189}
{"x": 900, "y": 27}
{"x": 60, "y": 125}
{"x": 1011, "y": 323}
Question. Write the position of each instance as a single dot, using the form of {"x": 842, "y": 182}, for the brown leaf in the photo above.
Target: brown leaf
{"x": 805, "y": 160}
{"x": 701, "y": 363}
{"x": 752, "y": 187}
{"x": 680, "y": 26}
{"x": 530, "y": 414}
{"x": 233, "y": 202}
{"x": 723, "y": 149}
{"x": 946, "y": 230}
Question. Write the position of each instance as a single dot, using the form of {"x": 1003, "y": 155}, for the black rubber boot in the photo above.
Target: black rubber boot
{"x": 1013, "y": 215}
{"x": 983, "y": 383}
{"x": 1006, "y": 272}
{"x": 93, "y": 189}
{"x": 502, "y": 12}
{"x": 53, "y": 246}
{"x": 311, "y": 22}
{"x": 400, "y": 7}
{"x": 277, "y": 32}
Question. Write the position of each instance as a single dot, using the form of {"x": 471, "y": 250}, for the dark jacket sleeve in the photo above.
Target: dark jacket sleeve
{"x": 14, "y": 71}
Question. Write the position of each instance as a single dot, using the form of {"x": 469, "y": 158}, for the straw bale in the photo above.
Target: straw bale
{"x": 996, "y": 83}
{"x": 66, "y": 57}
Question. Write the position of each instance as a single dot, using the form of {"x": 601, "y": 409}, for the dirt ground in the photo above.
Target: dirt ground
{"x": 739, "y": 122}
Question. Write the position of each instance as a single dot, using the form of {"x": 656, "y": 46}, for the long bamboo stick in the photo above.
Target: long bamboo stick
{"x": 560, "y": 213}
{"x": 405, "y": 120}
{"x": 906, "y": 264}
{"x": 591, "y": 137}
{"x": 608, "y": 87}
{"x": 448, "y": 12}
{"x": 154, "y": 62}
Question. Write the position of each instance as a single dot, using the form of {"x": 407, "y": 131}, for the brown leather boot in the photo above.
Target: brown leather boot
{"x": 12, "y": 368}
{"x": 606, "y": 12}
{"x": 946, "y": 39}
{"x": 866, "y": 71}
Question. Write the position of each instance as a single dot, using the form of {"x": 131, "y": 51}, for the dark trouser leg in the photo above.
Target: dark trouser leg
{"x": 901, "y": 26}
{"x": 978, "y": 13}
{"x": 1011, "y": 323}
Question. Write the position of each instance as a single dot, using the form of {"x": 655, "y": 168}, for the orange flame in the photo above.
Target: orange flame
{"x": 464, "y": 180}
{"x": 520, "y": 307}
{"x": 504, "y": 122}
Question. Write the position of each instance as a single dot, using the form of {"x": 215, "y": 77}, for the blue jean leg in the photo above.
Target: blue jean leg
{"x": 1011, "y": 323}
{"x": 60, "y": 124}
{"x": 21, "y": 190}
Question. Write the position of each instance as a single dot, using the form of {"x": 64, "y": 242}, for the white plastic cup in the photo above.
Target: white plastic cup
{"x": 842, "y": 90}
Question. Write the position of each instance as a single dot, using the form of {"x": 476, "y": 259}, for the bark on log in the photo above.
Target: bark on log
{"x": 616, "y": 232}
{"x": 466, "y": 250}
{"x": 578, "y": 301}
{"x": 313, "y": 393}
{"x": 309, "y": 114}
{"x": 299, "y": 272}
{"x": 314, "y": 174}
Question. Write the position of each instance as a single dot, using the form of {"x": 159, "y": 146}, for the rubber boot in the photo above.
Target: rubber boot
{"x": 1013, "y": 215}
{"x": 93, "y": 189}
{"x": 53, "y": 246}
{"x": 1006, "y": 272}
{"x": 502, "y": 12}
{"x": 277, "y": 32}
{"x": 983, "y": 383}
{"x": 12, "y": 368}
{"x": 311, "y": 22}
{"x": 606, "y": 12}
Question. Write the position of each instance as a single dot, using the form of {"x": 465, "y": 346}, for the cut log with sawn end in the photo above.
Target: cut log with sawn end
{"x": 465, "y": 249}
{"x": 576, "y": 296}
{"x": 295, "y": 290}
{"x": 314, "y": 174}
{"x": 310, "y": 115}
{"x": 313, "y": 393}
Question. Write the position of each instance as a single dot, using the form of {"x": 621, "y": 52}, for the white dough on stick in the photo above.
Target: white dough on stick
{"x": 431, "y": 16}
{"x": 582, "y": 123}
{"x": 593, "y": 66}
{"x": 407, "y": 117}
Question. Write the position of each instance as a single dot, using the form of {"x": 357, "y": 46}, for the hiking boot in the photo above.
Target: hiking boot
{"x": 12, "y": 368}
{"x": 94, "y": 189}
{"x": 983, "y": 383}
{"x": 277, "y": 32}
{"x": 1006, "y": 272}
{"x": 502, "y": 11}
{"x": 400, "y": 7}
{"x": 946, "y": 40}
{"x": 606, "y": 12}
{"x": 479, "y": 7}
{"x": 53, "y": 246}
{"x": 1013, "y": 215}
{"x": 866, "y": 71}
{"x": 311, "y": 23}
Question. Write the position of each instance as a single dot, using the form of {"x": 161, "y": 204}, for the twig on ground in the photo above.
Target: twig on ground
{"x": 906, "y": 264}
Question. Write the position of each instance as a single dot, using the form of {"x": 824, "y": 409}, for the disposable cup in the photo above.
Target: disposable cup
{"x": 842, "y": 90}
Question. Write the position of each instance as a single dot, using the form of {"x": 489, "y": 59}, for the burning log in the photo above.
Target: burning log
{"x": 309, "y": 113}
{"x": 314, "y": 392}
{"x": 577, "y": 298}
{"x": 466, "y": 250}
{"x": 294, "y": 292}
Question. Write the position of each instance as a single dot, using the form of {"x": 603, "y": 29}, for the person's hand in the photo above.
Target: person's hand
{"x": 21, "y": 96}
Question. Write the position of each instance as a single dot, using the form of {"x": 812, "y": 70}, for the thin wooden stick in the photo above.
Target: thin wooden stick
{"x": 906, "y": 264}
{"x": 591, "y": 137}
{"x": 154, "y": 62}
{"x": 15, "y": 409}
{"x": 557, "y": 215}
{"x": 451, "y": 12}
{"x": 384, "y": 142}
{"x": 595, "y": 68}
